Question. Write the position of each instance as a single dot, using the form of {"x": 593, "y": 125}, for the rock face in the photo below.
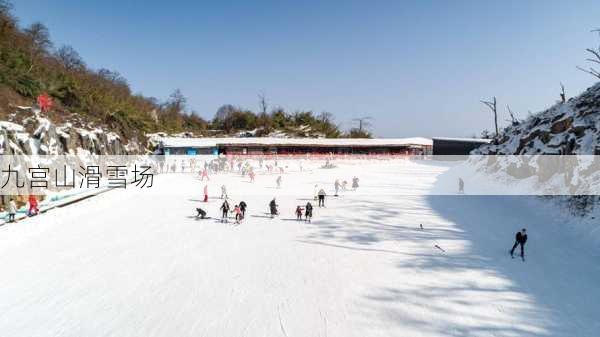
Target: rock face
{"x": 566, "y": 128}
{"x": 36, "y": 135}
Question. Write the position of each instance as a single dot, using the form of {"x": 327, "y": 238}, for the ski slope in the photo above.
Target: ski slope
{"x": 138, "y": 263}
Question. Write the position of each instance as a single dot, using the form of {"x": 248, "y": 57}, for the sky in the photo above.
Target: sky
{"x": 418, "y": 68}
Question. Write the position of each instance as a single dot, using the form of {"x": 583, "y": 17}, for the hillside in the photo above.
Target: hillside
{"x": 102, "y": 99}
{"x": 566, "y": 128}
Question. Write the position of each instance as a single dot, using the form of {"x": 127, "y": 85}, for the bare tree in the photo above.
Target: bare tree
{"x": 39, "y": 35}
{"x": 262, "y": 102}
{"x": 492, "y": 105}
{"x": 513, "y": 119}
{"x": 594, "y": 59}
{"x": 563, "y": 96}
{"x": 69, "y": 58}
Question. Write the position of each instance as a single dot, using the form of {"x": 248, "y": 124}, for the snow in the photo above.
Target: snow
{"x": 212, "y": 142}
{"x": 11, "y": 126}
{"x": 137, "y": 263}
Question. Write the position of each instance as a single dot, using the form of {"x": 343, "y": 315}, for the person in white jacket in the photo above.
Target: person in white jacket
{"x": 12, "y": 210}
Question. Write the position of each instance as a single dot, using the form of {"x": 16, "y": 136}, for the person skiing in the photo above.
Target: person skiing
{"x": 337, "y": 187}
{"x": 238, "y": 214}
{"x": 206, "y": 193}
{"x": 322, "y": 195}
{"x": 223, "y": 192}
{"x": 278, "y": 182}
{"x": 273, "y": 208}
{"x": 204, "y": 175}
{"x": 33, "y": 206}
{"x": 12, "y": 210}
{"x": 316, "y": 192}
{"x": 354, "y": 183}
{"x": 243, "y": 208}
{"x": 520, "y": 239}
{"x": 224, "y": 210}
{"x": 299, "y": 213}
{"x": 344, "y": 185}
{"x": 461, "y": 186}
{"x": 308, "y": 212}
{"x": 252, "y": 175}
{"x": 201, "y": 213}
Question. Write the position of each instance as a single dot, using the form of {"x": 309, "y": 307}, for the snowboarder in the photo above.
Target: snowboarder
{"x": 33, "y": 206}
{"x": 206, "y": 193}
{"x": 308, "y": 212}
{"x": 337, "y": 186}
{"x": 299, "y": 213}
{"x": 461, "y": 186}
{"x": 278, "y": 182}
{"x": 322, "y": 195}
{"x": 273, "y": 208}
{"x": 243, "y": 208}
{"x": 223, "y": 192}
{"x": 201, "y": 213}
{"x": 12, "y": 210}
{"x": 224, "y": 210}
{"x": 355, "y": 183}
{"x": 520, "y": 239}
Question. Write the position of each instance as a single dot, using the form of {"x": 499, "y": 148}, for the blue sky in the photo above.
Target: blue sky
{"x": 419, "y": 68}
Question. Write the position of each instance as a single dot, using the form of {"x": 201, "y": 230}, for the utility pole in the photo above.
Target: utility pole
{"x": 363, "y": 122}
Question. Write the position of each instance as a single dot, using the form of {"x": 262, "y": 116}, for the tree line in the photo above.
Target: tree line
{"x": 31, "y": 65}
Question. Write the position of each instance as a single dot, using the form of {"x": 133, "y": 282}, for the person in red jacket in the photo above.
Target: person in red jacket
{"x": 33, "y": 206}
{"x": 205, "y": 193}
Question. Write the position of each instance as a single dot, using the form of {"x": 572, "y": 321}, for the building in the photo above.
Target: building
{"x": 456, "y": 146}
{"x": 284, "y": 146}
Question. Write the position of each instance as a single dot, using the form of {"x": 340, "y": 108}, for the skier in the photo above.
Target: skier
{"x": 520, "y": 239}
{"x": 354, "y": 183}
{"x": 204, "y": 175}
{"x": 278, "y": 182}
{"x": 238, "y": 214}
{"x": 308, "y": 212}
{"x": 243, "y": 208}
{"x": 12, "y": 210}
{"x": 252, "y": 176}
{"x": 273, "y": 208}
{"x": 201, "y": 213}
{"x": 224, "y": 210}
{"x": 33, "y": 206}
{"x": 206, "y": 193}
{"x": 315, "y": 192}
{"x": 299, "y": 213}
{"x": 344, "y": 185}
{"x": 461, "y": 186}
{"x": 223, "y": 192}
{"x": 322, "y": 195}
{"x": 337, "y": 186}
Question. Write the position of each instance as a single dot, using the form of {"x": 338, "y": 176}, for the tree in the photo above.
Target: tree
{"x": 69, "y": 58}
{"x": 563, "y": 96}
{"x": 177, "y": 101}
{"x": 358, "y": 133}
{"x": 492, "y": 105}
{"x": 513, "y": 119}
{"x": 594, "y": 59}
{"x": 224, "y": 112}
{"x": 262, "y": 102}
{"x": 39, "y": 37}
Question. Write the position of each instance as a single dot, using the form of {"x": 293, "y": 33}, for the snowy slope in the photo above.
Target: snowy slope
{"x": 572, "y": 127}
{"x": 137, "y": 263}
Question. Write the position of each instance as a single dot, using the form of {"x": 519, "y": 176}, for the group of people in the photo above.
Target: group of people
{"x": 11, "y": 208}
{"x": 308, "y": 209}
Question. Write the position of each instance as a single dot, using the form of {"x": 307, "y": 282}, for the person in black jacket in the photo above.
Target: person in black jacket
{"x": 520, "y": 239}
{"x": 243, "y": 208}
